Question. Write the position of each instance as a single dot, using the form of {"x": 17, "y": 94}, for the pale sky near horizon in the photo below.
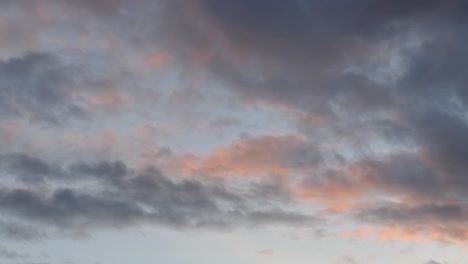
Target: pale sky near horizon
{"x": 233, "y": 131}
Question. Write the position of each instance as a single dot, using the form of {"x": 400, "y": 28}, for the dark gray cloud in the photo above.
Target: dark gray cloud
{"x": 28, "y": 168}
{"x": 404, "y": 174}
{"x": 38, "y": 88}
{"x": 407, "y": 176}
{"x": 98, "y": 6}
{"x": 380, "y": 75}
{"x": 52, "y": 90}
{"x": 334, "y": 60}
{"x": 122, "y": 197}
{"x": 21, "y": 232}
{"x": 301, "y": 52}
{"x": 394, "y": 213}
{"x": 33, "y": 170}
{"x": 324, "y": 56}
{"x": 441, "y": 135}
{"x": 446, "y": 222}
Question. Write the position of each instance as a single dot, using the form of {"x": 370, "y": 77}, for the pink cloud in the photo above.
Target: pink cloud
{"x": 421, "y": 233}
{"x": 9, "y": 131}
{"x": 109, "y": 98}
{"x": 265, "y": 252}
{"x": 156, "y": 60}
{"x": 256, "y": 156}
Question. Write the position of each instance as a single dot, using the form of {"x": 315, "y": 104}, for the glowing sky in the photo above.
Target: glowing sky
{"x": 233, "y": 131}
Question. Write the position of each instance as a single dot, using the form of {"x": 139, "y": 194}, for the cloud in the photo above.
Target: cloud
{"x": 421, "y": 213}
{"x": 252, "y": 156}
{"x": 433, "y": 262}
{"x": 301, "y": 51}
{"x": 109, "y": 99}
{"x": 28, "y": 168}
{"x": 123, "y": 197}
{"x": 265, "y": 252}
{"x": 21, "y": 232}
{"x": 38, "y": 88}
{"x": 331, "y": 60}
{"x": 335, "y": 191}
{"x": 442, "y": 222}
{"x": 11, "y": 255}
{"x": 347, "y": 260}
{"x": 9, "y": 131}
{"x": 374, "y": 94}
{"x": 385, "y": 80}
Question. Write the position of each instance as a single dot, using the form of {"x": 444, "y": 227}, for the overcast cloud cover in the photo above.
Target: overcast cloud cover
{"x": 265, "y": 127}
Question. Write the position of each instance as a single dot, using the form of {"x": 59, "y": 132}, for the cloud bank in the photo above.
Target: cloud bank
{"x": 372, "y": 95}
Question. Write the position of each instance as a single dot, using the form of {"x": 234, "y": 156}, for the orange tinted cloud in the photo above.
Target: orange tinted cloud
{"x": 265, "y": 252}
{"x": 256, "y": 156}
{"x": 110, "y": 98}
{"x": 334, "y": 197}
{"x": 156, "y": 60}
{"x": 9, "y": 131}
{"x": 337, "y": 191}
{"x": 347, "y": 188}
{"x": 425, "y": 232}
{"x": 269, "y": 154}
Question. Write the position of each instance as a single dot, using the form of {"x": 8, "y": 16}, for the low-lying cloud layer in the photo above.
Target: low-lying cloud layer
{"x": 82, "y": 196}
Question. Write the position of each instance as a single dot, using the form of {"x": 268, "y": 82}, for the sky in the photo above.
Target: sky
{"x": 233, "y": 131}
